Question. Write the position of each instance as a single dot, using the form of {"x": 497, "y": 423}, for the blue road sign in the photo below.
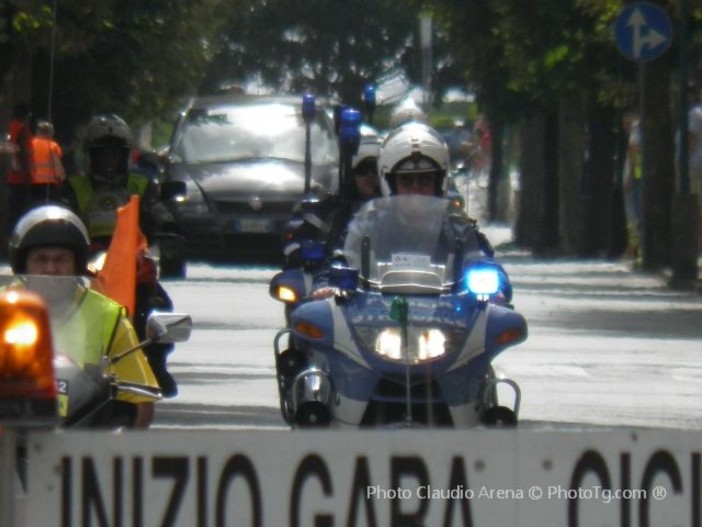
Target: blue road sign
{"x": 643, "y": 31}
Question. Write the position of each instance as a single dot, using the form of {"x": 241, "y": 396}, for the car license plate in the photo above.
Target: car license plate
{"x": 253, "y": 225}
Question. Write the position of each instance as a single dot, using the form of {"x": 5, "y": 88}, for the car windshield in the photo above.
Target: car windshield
{"x": 253, "y": 131}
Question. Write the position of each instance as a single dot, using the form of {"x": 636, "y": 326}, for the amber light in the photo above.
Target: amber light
{"x": 26, "y": 358}
{"x": 309, "y": 330}
{"x": 286, "y": 294}
{"x": 509, "y": 336}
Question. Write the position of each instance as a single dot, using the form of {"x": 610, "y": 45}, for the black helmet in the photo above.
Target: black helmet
{"x": 48, "y": 225}
{"x": 108, "y": 128}
{"x": 108, "y": 132}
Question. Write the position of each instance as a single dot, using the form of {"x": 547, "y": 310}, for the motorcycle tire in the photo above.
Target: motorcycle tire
{"x": 499, "y": 417}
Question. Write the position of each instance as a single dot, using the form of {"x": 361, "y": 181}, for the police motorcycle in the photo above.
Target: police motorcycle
{"x": 304, "y": 240}
{"x": 411, "y": 333}
{"x": 39, "y": 313}
{"x": 305, "y": 236}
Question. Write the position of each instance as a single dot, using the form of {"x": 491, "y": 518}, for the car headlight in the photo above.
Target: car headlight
{"x": 423, "y": 344}
{"x": 192, "y": 203}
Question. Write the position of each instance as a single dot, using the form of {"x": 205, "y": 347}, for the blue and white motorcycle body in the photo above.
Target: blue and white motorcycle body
{"x": 410, "y": 336}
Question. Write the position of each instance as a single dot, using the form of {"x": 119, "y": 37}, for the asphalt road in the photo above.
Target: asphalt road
{"x": 607, "y": 346}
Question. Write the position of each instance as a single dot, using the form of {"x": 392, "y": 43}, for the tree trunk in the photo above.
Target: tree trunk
{"x": 496, "y": 169}
{"x": 531, "y": 173}
{"x": 658, "y": 163}
{"x": 598, "y": 214}
{"x": 537, "y": 221}
{"x": 574, "y": 183}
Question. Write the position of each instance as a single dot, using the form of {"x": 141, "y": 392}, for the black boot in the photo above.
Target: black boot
{"x": 157, "y": 355}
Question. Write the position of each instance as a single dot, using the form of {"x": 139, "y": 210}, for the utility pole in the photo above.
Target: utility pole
{"x": 425, "y": 33}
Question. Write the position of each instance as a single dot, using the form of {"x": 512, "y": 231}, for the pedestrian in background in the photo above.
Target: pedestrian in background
{"x": 694, "y": 144}
{"x": 482, "y": 147}
{"x": 631, "y": 184}
{"x": 48, "y": 172}
{"x": 19, "y": 175}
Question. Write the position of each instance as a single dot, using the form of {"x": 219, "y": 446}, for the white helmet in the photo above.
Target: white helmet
{"x": 368, "y": 148}
{"x": 48, "y": 225}
{"x": 413, "y": 147}
{"x": 405, "y": 112}
{"x": 108, "y": 127}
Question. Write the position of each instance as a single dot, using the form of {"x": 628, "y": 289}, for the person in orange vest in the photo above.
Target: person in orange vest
{"x": 48, "y": 172}
{"x": 19, "y": 176}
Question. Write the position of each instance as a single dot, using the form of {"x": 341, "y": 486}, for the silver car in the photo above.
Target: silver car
{"x": 238, "y": 166}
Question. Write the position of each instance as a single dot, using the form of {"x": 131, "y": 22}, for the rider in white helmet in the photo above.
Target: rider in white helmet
{"x": 364, "y": 165}
{"x": 405, "y": 112}
{"x": 414, "y": 159}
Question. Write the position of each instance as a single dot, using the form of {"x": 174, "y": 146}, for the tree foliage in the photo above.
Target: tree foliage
{"x": 123, "y": 56}
{"x": 328, "y": 47}
{"x": 558, "y": 59}
{"x": 552, "y": 64}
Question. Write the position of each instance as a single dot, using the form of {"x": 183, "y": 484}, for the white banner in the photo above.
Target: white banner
{"x": 394, "y": 478}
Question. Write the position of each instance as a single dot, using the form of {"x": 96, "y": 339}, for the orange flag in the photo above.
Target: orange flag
{"x": 118, "y": 276}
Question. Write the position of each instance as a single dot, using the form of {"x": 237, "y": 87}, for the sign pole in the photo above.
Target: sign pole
{"x": 643, "y": 32}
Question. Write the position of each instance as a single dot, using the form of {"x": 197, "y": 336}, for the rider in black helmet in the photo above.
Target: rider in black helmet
{"x": 95, "y": 196}
{"x": 51, "y": 241}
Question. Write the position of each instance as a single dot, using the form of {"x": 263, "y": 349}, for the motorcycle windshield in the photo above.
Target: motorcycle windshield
{"x": 403, "y": 244}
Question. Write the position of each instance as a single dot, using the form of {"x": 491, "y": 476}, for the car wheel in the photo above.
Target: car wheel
{"x": 172, "y": 268}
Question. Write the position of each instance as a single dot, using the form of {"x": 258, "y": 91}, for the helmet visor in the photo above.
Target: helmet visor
{"x": 424, "y": 179}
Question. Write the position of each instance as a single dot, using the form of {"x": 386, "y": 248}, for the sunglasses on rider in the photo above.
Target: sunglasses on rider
{"x": 424, "y": 179}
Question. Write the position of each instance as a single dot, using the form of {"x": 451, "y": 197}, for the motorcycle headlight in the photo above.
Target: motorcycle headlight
{"x": 423, "y": 344}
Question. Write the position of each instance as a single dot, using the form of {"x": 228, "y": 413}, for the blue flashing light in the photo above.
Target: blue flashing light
{"x": 369, "y": 95}
{"x": 343, "y": 278}
{"x": 312, "y": 250}
{"x": 308, "y": 107}
{"x": 350, "y": 131}
{"x": 483, "y": 281}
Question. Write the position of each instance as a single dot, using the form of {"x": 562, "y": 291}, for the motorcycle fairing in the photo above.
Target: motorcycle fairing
{"x": 357, "y": 371}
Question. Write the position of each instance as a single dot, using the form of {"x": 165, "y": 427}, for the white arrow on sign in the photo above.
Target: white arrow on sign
{"x": 652, "y": 39}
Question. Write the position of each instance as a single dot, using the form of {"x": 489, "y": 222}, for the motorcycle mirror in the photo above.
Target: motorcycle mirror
{"x": 172, "y": 189}
{"x": 168, "y": 327}
{"x": 163, "y": 328}
{"x": 344, "y": 278}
